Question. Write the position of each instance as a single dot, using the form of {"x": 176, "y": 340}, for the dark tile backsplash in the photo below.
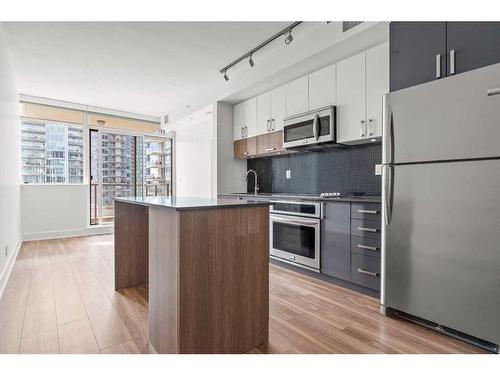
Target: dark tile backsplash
{"x": 344, "y": 170}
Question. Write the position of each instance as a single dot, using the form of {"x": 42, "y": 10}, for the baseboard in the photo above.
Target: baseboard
{"x": 68, "y": 233}
{"x": 4, "y": 277}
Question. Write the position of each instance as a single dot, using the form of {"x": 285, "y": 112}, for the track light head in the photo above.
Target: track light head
{"x": 289, "y": 38}
{"x": 250, "y": 61}
{"x": 225, "y": 76}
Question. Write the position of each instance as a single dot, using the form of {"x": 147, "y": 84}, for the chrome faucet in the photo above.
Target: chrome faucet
{"x": 256, "y": 187}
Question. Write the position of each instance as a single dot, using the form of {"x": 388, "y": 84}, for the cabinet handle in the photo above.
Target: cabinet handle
{"x": 373, "y": 248}
{"x": 368, "y": 212}
{"x": 270, "y": 149}
{"x": 372, "y": 230}
{"x": 246, "y": 131}
{"x": 361, "y": 270}
{"x": 241, "y": 132}
{"x": 362, "y": 128}
{"x": 268, "y": 125}
{"x": 371, "y": 121}
{"x": 438, "y": 65}
{"x": 493, "y": 92}
{"x": 245, "y": 153}
{"x": 272, "y": 124}
{"x": 452, "y": 61}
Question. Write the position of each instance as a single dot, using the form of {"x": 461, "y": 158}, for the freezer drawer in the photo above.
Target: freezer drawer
{"x": 441, "y": 245}
{"x": 453, "y": 118}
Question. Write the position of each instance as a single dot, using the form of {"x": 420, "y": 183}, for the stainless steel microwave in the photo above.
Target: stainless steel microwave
{"x": 310, "y": 128}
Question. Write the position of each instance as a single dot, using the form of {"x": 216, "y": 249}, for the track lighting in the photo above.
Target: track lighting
{"x": 289, "y": 38}
{"x": 248, "y": 55}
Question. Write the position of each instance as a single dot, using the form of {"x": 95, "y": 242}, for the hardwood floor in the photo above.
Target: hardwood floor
{"x": 61, "y": 299}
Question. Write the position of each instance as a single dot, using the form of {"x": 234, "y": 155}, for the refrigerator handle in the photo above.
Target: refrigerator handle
{"x": 388, "y": 132}
{"x": 388, "y": 193}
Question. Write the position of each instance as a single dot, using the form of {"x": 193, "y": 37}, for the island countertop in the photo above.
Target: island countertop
{"x": 192, "y": 203}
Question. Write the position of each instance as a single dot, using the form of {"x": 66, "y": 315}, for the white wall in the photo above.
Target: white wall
{"x": 10, "y": 235}
{"x": 230, "y": 171}
{"x": 195, "y": 156}
{"x": 55, "y": 211}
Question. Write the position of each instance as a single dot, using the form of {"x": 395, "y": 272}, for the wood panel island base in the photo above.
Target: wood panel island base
{"x": 207, "y": 265}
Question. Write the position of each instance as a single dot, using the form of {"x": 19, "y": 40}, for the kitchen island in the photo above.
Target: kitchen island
{"x": 206, "y": 261}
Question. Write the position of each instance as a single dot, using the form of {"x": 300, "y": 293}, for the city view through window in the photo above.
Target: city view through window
{"x": 119, "y": 163}
{"x": 51, "y": 152}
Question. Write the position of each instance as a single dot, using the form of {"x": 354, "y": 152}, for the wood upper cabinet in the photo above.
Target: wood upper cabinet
{"x": 245, "y": 148}
{"x": 263, "y": 113}
{"x": 322, "y": 88}
{"x": 377, "y": 84}
{"x": 245, "y": 119}
{"x": 351, "y": 98}
{"x": 278, "y": 107}
{"x": 297, "y": 96}
{"x": 270, "y": 143}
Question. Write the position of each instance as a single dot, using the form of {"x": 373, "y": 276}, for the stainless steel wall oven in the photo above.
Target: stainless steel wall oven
{"x": 294, "y": 233}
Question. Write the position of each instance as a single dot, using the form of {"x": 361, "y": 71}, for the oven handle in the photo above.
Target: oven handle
{"x": 295, "y": 221}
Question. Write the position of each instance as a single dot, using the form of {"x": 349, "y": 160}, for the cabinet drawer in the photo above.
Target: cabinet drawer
{"x": 365, "y": 271}
{"x": 366, "y": 228}
{"x": 365, "y": 246}
{"x": 367, "y": 211}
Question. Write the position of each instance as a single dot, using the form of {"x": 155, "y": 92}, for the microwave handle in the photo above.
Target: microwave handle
{"x": 315, "y": 126}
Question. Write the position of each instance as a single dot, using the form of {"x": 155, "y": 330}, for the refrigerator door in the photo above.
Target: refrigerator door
{"x": 441, "y": 246}
{"x": 453, "y": 118}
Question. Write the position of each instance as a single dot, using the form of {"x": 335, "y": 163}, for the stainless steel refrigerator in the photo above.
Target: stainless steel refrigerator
{"x": 441, "y": 205}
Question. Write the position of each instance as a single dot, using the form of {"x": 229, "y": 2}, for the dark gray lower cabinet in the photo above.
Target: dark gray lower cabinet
{"x": 336, "y": 240}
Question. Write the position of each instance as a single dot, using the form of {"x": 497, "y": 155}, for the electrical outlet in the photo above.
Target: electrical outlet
{"x": 6, "y": 251}
{"x": 378, "y": 169}
{"x": 288, "y": 174}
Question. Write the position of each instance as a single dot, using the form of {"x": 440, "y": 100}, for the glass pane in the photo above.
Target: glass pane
{"x": 94, "y": 178}
{"x": 117, "y": 161}
{"x": 295, "y": 239}
{"x": 298, "y": 131}
{"x": 157, "y": 166}
{"x": 51, "y": 152}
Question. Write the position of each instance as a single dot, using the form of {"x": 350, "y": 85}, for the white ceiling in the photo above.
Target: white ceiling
{"x": 154, "y": 68}
{"x": 147, "y": 68}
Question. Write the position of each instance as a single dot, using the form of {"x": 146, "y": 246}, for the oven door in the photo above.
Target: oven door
{"x": 295, "y": 240}
{"x": 309, "y": 128}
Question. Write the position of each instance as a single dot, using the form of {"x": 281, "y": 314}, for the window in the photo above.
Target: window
{"x": 124, "y": 155}
{"x": 51, "y": 145}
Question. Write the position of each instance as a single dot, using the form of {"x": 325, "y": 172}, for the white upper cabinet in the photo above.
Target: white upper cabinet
{"x": 263, "y": 113}
{"x": 351, "y": 102}
{"x": 362, "y": 80}
{"x": 297, "y": 96}
{"x": 278, "y": 108}
{"x": 322, "y": 88}
{"x": 377, "y": 84}
{"x": 245, "y": 119}
{"x": 355, "y": 85}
